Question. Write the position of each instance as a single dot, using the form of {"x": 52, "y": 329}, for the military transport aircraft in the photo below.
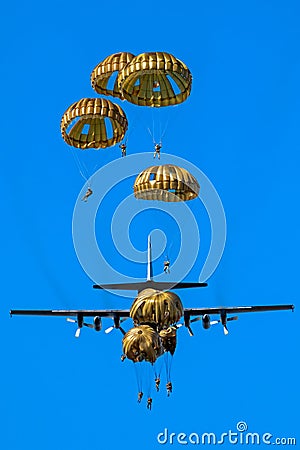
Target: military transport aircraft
{"x": 119, "y": 315}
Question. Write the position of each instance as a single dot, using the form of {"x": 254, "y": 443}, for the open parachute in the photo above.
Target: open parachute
{"x": 142, "y": 344}
{"x": 150, "y": 79}
{"x": 93, "y": 123}
{"x": 155, "y": 315}
{"x": 168, "y": 183}
{"x": 159, "y": 308}
{"x": 104, "y": 72}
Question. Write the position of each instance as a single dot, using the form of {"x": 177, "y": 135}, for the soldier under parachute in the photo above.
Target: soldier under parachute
{"x": 157, "y": 148}
{"x": 123, "y": 149}
{"x": 169, "y": 388}
{"x": 167, "y": 266}
{"x": 149, "y": 403}
{"x": 140, "y": 396}
{"x": 157, "y": 383}
{"x": 87, "y": 195}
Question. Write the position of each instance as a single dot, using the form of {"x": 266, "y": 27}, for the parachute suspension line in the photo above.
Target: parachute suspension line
{"x": 168, "y": 365}
{"x": 151, "y": 132}
{"x": 157, "y": 366}
{"x": 159, "y": 125}
{"x": 167, "y": 122}
{"x": 93, "y": 171}
{"x": 80, "y": 166}
{"x": 153, "y": 127}
{"x": 166, "y": 357}
{"x": 138, "y": 377}
{"x": 160, "y": 122}
{"x": 168, "y": 252}
{"x": 169, "y": 359}
{"x": 133, "y": 125}
{"x": 128, "y": 133}
{"x": 81, "y": 171}
{"x": 163, "y": 125}
{"x": 148, "y": 379}
{"x": 162, "y": 135}
{"x": 153, "y": 140}
{"x": 95, "y": 167}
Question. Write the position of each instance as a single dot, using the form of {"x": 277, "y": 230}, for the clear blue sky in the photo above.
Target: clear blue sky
{"x": 240, "y": 126}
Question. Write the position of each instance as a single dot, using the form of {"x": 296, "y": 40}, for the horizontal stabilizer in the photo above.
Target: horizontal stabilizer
{"x": 158, "y": 285}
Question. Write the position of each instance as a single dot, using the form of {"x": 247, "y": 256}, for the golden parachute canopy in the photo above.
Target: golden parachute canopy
{"x": 158, "y": 307}
{"x": 168, "y": 183}
{"x": 97, "y": 115}
{"x": 103, "y": 72}
{"x": 142, "y": 343}
{"x": 155, "y": 79}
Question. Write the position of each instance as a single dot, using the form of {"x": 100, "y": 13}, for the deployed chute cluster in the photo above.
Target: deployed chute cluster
{"x": 155, "y": 79}
{"x": 160, "y": 311}
{"x": 155, "y": 316}
{"x": 150, "y": 79}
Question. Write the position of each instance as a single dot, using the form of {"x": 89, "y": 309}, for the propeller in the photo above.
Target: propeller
{"x": 80, "y": 325}
{"x": 187, "y": 322}
{"x": 187, "y": 325}
{"x": 77, "y": 333}
{"x": 207, "y": 322}
{"x": 179, "y": 325}
{"x": 190, "y": 330}
{"x": 224, "y": 321}
{"x": 116, "y": 325}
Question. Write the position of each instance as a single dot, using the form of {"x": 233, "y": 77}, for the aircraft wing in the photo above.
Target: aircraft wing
{"x": 205, "y": 313}
{"x": 188, "y": 312}
{"x": 235, "y": 309}
{"x": 120, "y": 313}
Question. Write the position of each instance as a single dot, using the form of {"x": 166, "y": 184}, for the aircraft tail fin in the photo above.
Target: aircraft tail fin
{"x": 149, "y": 267}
